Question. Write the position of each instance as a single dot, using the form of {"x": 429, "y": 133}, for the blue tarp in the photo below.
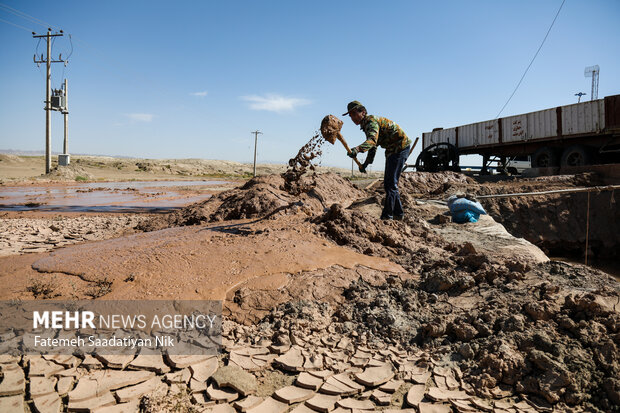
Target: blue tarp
{"x": 463, "y": 210}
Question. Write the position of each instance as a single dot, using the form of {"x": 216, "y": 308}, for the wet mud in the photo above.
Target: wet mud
{"x": 299, "y": 255}
{"x": 263, "y": 197}
{"x": 512, "y": 321}
{"x": 303, "y": 161}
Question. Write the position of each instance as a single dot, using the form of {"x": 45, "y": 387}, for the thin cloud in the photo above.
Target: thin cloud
{"x": 274, "y": 103}
{"x": 199, "y": 94}
{"x": 140, "y": 117}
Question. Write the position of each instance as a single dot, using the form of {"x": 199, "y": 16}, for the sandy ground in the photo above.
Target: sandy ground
{"x": 15, "y": 168}
{"x": 420, "y": 314}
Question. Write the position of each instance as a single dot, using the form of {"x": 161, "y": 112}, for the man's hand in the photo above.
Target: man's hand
{"x": 353, "y": 153}
{"x": 362, "y": 168}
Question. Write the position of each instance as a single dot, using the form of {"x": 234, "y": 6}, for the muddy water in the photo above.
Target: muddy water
{"x": 607, "y": 266}
{"x": 146, "y": 196}
{"x": 186, "y": 262}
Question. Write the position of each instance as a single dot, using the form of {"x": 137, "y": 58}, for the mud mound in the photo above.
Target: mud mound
{"x": 432, "y": 183}
{"x": 68, "y": 173}
{"x": 266, "y": 195}
{"x": 261, "y": 197}
{"x": 407, "y": 245}
{"x": 258, "y": 197}
{"x": 519, "y": 329}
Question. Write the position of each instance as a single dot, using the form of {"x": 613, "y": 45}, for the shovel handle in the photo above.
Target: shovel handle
{"x": 413, "y": 146}
{"x": 344, "y": 143}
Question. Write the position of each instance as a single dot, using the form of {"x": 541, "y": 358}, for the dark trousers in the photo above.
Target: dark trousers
{"x": 394, "y": 165}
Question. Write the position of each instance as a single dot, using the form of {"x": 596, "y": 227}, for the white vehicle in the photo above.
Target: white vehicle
{"x": 518, "y": 164}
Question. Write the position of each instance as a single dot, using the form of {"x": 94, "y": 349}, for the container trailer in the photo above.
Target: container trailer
{"x": 581, "y": 134}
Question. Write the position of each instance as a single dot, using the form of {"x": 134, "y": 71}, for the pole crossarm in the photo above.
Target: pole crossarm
{"x": 47, "y": 35}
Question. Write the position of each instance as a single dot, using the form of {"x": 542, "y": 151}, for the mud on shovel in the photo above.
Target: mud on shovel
{"x": 330, "y": 129}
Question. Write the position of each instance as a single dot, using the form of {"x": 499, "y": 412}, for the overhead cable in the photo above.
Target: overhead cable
{"x": 532, "y": 61}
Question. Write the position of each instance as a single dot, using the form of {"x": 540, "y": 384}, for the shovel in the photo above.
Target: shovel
{"x": 330, "y": 129}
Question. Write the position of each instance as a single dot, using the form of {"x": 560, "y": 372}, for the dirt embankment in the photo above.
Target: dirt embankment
{"x": 557, "y": 223}
{"x": 513, "y": 324}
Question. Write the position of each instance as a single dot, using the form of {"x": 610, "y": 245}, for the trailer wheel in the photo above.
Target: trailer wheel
{"x": 576, "y": 155}
{"x": 545, "y": 157}
{"x": 438, "y": 157}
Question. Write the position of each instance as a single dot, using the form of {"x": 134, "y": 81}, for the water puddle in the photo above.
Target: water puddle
{"x": 610, "y": 267}
{"x": 122, "y": 197}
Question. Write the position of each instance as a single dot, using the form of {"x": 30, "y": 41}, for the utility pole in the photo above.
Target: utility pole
{"x": 48, "y": 88}
{"x": 580, "y": 94}
{"x": 256, "y": 132}
{"x": 65, "y": 112}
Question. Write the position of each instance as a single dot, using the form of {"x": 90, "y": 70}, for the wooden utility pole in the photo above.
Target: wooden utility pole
{"x": 48, "y": 89}
{"x": 255, "y": 144}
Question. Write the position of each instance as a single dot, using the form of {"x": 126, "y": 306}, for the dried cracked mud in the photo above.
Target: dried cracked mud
{"x": 329, "y": 309}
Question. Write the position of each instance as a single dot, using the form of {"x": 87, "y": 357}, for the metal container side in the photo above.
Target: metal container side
{"x": 530, "y": 126}
{"x": 476, "y": 134}
{"x": 439, "y": 136}
{"x": 514, "y": 128}
{"x": 585, "y": 117}
{"x": 542, "y": 124}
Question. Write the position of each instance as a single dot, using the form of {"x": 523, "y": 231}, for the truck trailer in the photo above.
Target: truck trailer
{"x": 581, "y": 134}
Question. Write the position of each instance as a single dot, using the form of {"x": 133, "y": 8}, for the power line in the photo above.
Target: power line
{"x": 528, "y": 66}
{"x": 16, "y": 25}
{"x": 25, "y": 16}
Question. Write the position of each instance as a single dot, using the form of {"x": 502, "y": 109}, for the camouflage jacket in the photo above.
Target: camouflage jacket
{"x": 383, "y": 132}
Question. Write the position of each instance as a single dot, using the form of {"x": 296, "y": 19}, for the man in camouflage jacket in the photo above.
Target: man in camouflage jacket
{"x": 383, "y": 132}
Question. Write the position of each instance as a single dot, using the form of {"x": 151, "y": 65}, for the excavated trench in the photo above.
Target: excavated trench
{"x": 565, "y": 226}
{"x": 561, "y": 224}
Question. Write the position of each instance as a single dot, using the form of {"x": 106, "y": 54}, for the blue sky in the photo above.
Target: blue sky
{"x": 192, "y": 79}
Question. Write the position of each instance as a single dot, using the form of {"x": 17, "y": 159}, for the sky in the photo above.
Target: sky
{"x": 193, "y": 79}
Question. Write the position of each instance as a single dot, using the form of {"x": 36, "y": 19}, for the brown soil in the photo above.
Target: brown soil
{"x": 263, "y": 197}
{"x": 304, "y": 255}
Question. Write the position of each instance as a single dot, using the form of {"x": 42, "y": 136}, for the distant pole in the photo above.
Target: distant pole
{"x": 593, "y": 71}
{"x": 580, "y": 94}
{"x": 352, "y": 175}
{"x": 48, "y": 90}
{"x": 256, "y": 132}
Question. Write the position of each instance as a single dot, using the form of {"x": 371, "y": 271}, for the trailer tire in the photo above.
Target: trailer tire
{"x": 545, "y": 157}
{"x": 576, "y": 155}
